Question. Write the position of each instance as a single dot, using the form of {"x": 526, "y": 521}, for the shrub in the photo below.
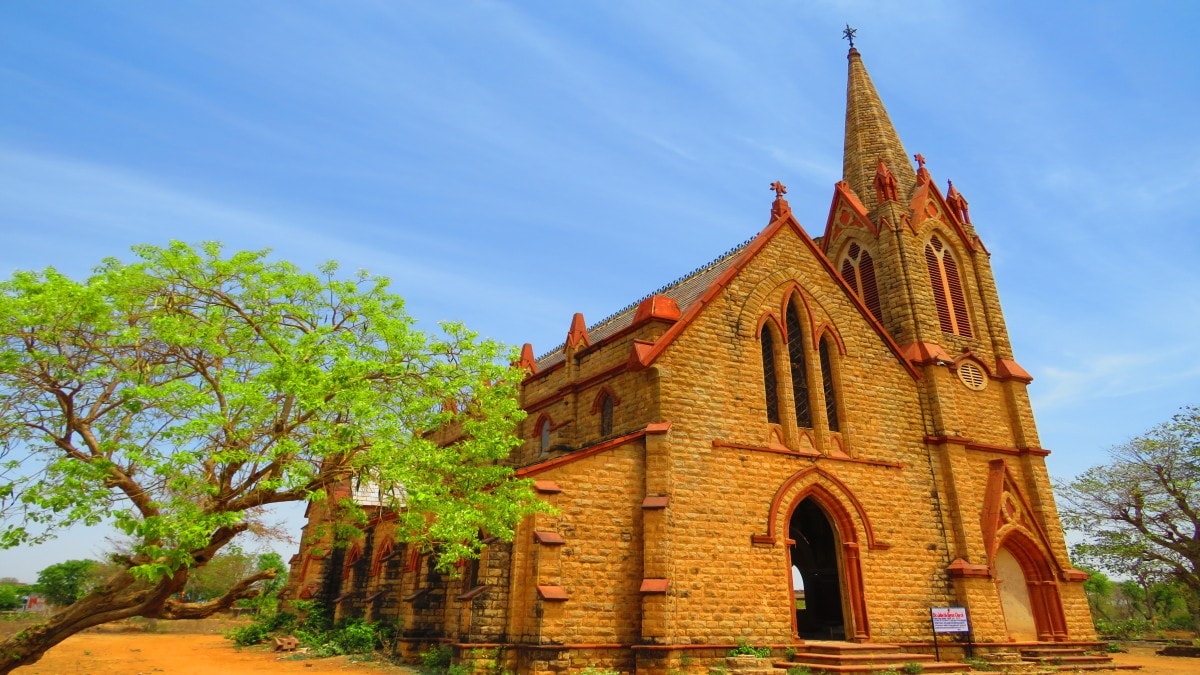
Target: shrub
{"x": 912, "y": 668}
{"x": 744, "y": 648}
{"x": 251, "y": 634}
{"x": 437, "y": 659}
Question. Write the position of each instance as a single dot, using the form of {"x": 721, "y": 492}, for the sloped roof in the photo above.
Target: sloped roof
{"x": 684, "y": 291}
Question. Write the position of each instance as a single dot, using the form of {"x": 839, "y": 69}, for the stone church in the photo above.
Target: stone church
{"x": 805, "y": 439}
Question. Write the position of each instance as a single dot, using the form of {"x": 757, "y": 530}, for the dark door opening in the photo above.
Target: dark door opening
{"x": 815, "y": 562}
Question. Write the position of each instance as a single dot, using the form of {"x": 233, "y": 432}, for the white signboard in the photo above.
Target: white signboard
{"x": 949, "y": 619}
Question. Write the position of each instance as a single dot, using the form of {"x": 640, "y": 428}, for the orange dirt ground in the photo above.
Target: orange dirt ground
{"x": 103, "y": 652}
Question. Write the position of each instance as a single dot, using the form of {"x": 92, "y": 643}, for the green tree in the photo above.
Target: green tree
{"x": 12, "y": 597}
{"x": 65, "y": 582}
{"x": 214, "y": 579}
{"x": 1141, "y": 511}
{"x": 178, "y": 395}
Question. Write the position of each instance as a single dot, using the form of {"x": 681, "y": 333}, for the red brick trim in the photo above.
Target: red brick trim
{"x": 656, "y": 502}
{"x": 572, "y": 387}
{"x": 655, "y": 586}
{"x": 1075, "y": 575}
{"x": 472, "y": 594}
{"x": 961, "y": 569}
{"x": 553, "y": 593}
{"x": 548, "y": 538}
{"x": 846, "y": 494}
{"x": 533, "y": 469}
{"x": 605, "y": 390}
{"x": 984, "y": 447}
{"x": 814, "y": 455}
{"x": 418, "y": 593}
{"x": 1007, "y": 369}
{"x": 546, "y": 487}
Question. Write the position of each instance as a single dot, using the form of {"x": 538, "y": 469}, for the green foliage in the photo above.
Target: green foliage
{"x": 977, "y": 663}
{"x": 596, "y": 670}
{"x": 799, "y": 670}
{"x": 744, "y": 648}
{"x": 65, "y": 582}
{"x": 1139, "y": 511}
{"x": 247, "y": 635}
{"x": 912, "y": 668}
{"x": 177, "y": 396}
{"x": 1124, "y": 630}
{"x": 437, "y": 658}
{"x": 11, "y": 597}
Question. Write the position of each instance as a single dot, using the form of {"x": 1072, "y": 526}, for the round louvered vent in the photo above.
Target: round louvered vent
{"x": 972, "y": 376}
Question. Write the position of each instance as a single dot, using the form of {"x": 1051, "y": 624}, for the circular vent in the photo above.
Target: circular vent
{"x": 972, "y": 376}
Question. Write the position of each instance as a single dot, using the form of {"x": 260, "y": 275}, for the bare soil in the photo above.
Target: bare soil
{"x": 1153, "y": 664}
{"x": 183, "y": 648}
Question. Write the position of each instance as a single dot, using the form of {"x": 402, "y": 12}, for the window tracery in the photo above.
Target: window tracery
{"x": 948, "y": 296}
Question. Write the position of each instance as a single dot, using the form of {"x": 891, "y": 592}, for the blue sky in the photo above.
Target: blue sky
{"x": 509, "y": 164}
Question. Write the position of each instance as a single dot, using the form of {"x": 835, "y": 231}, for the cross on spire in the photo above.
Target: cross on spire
{"x": 848, "y": 34}
{"x": 779, "y": 188}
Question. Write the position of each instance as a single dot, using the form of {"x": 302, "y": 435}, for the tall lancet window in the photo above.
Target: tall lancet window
{"x": 799, "y": 368}
{"x": 858, "y": 269}
{"x": 831, "y": 404}
{"x": 606, "y": 415}
{"x": 770, "y": 383}
{"x": 947, "y": 289}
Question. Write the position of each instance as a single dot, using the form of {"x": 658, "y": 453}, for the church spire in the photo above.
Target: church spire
{"x": 870, "y": 137}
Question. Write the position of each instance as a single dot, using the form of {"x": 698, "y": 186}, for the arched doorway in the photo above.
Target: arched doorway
{"x": 816, "y": 567}
{"x": 1014, "y": 597}
{"x": 1028, "y": 592}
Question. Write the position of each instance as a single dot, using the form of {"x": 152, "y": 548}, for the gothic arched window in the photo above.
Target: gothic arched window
{"x": 795, "y": 344}
{"x": 606, "y": 415}
{"x": 831, "y": 407}
{"x": 770, "y": 383}
{"x": 858, "y": 269}
{"x": 947, "y": 287}
{"x": 544, "y": 434}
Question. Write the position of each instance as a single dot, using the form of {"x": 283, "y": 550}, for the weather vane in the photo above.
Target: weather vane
{"x": 848, "y": 34}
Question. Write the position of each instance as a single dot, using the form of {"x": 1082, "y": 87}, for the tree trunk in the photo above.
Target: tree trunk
{"x": 121, "y": 597}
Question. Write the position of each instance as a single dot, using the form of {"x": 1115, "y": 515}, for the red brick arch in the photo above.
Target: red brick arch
{"x": 1044, "y": 599}
{"x": 843, "y": 523}
{"x": 832, "y": 496}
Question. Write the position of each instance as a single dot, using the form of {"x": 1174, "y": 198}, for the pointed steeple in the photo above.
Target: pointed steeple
{"x": 870, "y": 138}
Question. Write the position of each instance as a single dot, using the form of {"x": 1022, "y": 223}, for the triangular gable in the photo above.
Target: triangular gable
{"x": 645, "y": 353}
{"x": 845, "y": 211}
{"x": 927, "y": 202}
{"x": 1005, "y": 509}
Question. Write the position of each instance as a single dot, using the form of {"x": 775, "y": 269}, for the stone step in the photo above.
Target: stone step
{"x": 819, "y": 658}
{"x": 1053, "y": 651}
{"x": 1056, "y": 660}
{"x": 876, "y": 667}
{"x": 836, "y": 647}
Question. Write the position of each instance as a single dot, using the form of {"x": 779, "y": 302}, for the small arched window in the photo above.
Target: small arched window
{"x": 606, "y": 415}
{"x": 770, "y": 383}
{"x": 858, "y": 269}
{"x": 544, "y": 435}
{"x": 947, "y": 287}
{"x": 795, "y": 344}
{"x": 831, "y": 406}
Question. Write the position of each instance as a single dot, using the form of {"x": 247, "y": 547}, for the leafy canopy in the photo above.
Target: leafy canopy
{"x": 178, "y": 395}
{"x": 65, "y": 582}
{"x": 1140, "y": 513}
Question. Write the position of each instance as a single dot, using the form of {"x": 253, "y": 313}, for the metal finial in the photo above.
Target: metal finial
{"x": 848, "y": 34}
{"x": 779, "y": 188}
